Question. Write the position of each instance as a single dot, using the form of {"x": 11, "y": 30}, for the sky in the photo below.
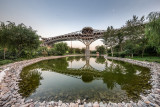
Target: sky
{"x": 56, "y": 17}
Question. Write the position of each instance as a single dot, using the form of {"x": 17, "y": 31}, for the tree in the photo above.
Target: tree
{"x": 77, "y": 50}
{"x": 135, "y": 34}
{"x": 131, "y": 48}
{"x": 61, "y": 48}
{"x": 120, "y": 34}
{"x": 153, "y": 30}
{"x": 71, "y": 50}
{"x": 100, "y": 49}
{"x": 18, "y": 37}
{"x": 109, "y": 38}
{"x": 24, "y": 38}
{"x": 83, "y": 50}
{"x": 4, "y": 37}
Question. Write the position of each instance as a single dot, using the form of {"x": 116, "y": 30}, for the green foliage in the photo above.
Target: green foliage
{"x": 122, "y": 54}
{"x": 153, "y": 30}
{"x": 149, "y": 58}
{"x": 18, "y": 37}
{"x": 110, "y": 38}
{"x": 83, "y": 50}
{"x": 77, "y": 50}
{"x": 71, "y": 50}
{"x": 100, "y": 60}
{"x": 61, "y": 48}
{"x": 128, "y": 40}
{"x": 30, "y": 82}
{"x": 3, "y": 62}
{"x": 100, "y": 49}
{"x": 93, "y": 52}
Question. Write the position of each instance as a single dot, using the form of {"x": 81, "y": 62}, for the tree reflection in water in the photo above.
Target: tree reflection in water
{"x": 30, "y": 82}
{"x": 131, "y": 78}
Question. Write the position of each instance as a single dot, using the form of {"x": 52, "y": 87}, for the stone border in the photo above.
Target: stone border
{"x": 9, "y": 96}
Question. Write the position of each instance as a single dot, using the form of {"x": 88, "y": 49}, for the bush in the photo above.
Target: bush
{"x": 109, "y": 54}
{"x": 93, "y": 52}
{"x": 116, "y": 54}
{"x": 122, "y": 54}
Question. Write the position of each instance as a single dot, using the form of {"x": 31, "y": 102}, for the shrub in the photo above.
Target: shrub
{"x": 122, "y": 54}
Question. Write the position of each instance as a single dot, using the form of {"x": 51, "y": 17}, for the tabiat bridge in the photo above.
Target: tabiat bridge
{"x": 87, "y": 35}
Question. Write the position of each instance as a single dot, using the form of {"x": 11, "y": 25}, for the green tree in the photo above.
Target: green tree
{"x": 100, "y": 60}
{"x": 77, "y": 50}
{"x": 24, "y": 38}
{"x": 120, "y": 35}
{"x": 61, "y": 48}
{"x": 4, "y": 37}
{"x": 83, "y": 50}
{"x": 110, "y": 39}
{"x": 18, "y": 37}
{"x": 135, "y": 34}
{"x": 131, "y": 48}
{"x": 71, "y": 50}
{"x": 153, "y": 30}
{"x": 100, "y": 49}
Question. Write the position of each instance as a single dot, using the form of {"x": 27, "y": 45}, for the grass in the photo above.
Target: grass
{"x": 7, "y": 61}
{"x": 3, "y": 62}
{"x": 148, "y": 58}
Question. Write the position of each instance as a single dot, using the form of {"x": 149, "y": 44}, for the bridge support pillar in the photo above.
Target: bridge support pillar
{"x": 87, "y": 51}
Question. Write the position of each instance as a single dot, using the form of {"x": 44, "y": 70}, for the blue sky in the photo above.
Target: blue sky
{"x": 55, "y": 17}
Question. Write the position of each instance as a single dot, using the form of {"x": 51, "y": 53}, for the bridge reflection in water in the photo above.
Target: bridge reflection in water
{"x": 131, "y": 79}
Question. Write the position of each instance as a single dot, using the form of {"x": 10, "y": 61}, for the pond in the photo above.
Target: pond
{"x": 90, "y": 79}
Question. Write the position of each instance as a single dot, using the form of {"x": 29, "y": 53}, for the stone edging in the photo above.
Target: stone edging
{"x": 9, "y": 96}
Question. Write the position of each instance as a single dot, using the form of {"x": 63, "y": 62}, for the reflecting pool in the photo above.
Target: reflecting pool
{"x": 93, "y": 79}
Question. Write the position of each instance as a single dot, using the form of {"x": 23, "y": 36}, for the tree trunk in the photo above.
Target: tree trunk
{"x": 132, "y": 55}
{"x": 18, "y": 54}
{"x": 143, "y": 52}
{"x": 120, "y": 47}
{"x": 112, "y": 50}
{"x": 4, "y": 53}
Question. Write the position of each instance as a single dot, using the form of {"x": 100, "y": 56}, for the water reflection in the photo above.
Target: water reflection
{"x": 95, "y": 79}
{"x": 31, "y": 81}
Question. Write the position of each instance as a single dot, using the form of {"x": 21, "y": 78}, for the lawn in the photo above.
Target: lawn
{"x": 7, "y": 61}
{"x": 149, "y": 59}
{"x": 3, "y": 62}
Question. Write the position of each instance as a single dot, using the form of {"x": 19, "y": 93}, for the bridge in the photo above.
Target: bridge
{"x": 87, "y": 35}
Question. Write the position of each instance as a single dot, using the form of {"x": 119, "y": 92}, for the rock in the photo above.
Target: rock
{"x": 102, "y": 105}
{"x": 17, "y": 104}
{"x": 85, "y": 105}
{"x": 4, "y": 97}
{"x": 81, "y": 106}
{"x": 96, "y": 104}
{"x": 78, "y": 101}
{"x": 31, "y": 105}
{"x": 89, "y": 104}
{"x": 64, "y": 105}
{"x": 59, "y": 103}
{"x": 51, "y": 103}
{"x": 37, "y": 105}
{"x": 72, "y": 105}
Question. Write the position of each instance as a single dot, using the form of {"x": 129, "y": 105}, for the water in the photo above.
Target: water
{"x": 92, "y": 79}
